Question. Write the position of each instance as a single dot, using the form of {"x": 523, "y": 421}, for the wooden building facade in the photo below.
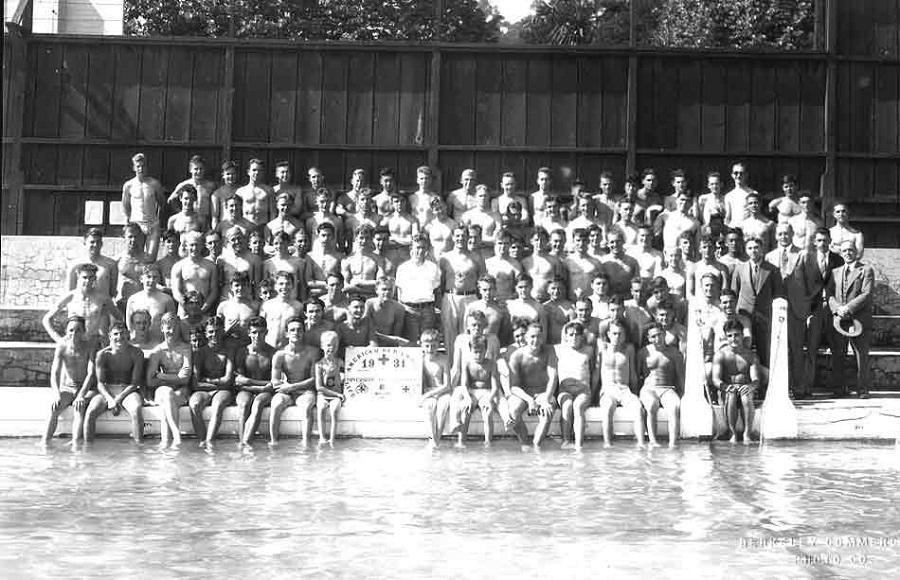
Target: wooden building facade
{"x": 75, "y": 109}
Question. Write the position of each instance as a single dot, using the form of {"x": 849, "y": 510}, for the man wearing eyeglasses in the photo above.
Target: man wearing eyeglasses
{"x": 735, "y": 200}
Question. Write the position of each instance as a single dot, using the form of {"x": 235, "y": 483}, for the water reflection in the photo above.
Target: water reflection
{"x": 390, "y": 508}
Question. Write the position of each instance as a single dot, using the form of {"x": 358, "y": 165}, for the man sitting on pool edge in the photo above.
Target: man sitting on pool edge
{"x": 532, "y": 384}
{"x": 662, "y": 369}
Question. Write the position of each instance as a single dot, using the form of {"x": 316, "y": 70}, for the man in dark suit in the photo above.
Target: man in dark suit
{"x": 818, "y": 268}
{"x": 757, "y": 283}
{"x": 850, "y": 297}
{"x": 789, "y": 259}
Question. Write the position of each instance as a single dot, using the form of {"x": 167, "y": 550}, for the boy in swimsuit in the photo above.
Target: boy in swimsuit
{"x": 120, "y": 368}
{"x": 253, "y": 376}
{"x": 151, "y": 299}
{"x": 195, "y": 272}
{"x": 557, "y": 309}
{"x": 479, "y": 384}
{"x": 436, "y": 383}
{"x": 143, "y": 201}
{"x": 237, "y": 259}
{"x": 203, "y": 187}
{"x": 169, "y": 372}
{"x": 171, "y": 247}
{"x": 618, "y": 379}
{"x": 329, "y": 386}
{"x": 96, "y": 310}
{"x": 139, "y": 322}
{"x": 532, "y": 384}
{"x": 213, "y": 379}
{"x": 219, "y": 199}
{"x": 736, "y": 374}
{"x": 107, "y": 268}
{"x": 192, "y": 318}
{"x": 294, "y": 381}
{"x": 278, "y": 310}
{"x": 524, "y": 306}
{"x": 71, "y": 376}
{"x": 187, "y": 220}
{"x": 237, "y": 311}
{"x": 476, "y": 323}
{"x": 577, "y": 383}
{"x": 387, "y": 315}
{"x": 662, "y": 370}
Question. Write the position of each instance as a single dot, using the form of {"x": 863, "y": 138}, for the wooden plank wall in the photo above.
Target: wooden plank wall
{"x": 868, "y": 92}
{"x": 89, "y": 105}
{"x": 14, "y": 76}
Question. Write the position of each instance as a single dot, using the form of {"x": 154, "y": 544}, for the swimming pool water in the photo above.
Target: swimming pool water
{"x": 389, "y": 508}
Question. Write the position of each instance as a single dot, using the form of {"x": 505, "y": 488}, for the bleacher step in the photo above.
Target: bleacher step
{"x": 23, "y": 414}
{"x": 24, "y": 324}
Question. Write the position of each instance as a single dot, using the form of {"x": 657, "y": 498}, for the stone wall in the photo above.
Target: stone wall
{"x": 886, "y": 262}
{"x": 33, "y": 268}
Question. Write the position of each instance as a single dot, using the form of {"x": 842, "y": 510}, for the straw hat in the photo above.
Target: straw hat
{"x": 849, "y": 327}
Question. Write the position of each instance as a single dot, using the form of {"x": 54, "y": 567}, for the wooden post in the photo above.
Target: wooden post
{"x": 227, "y": 104}
{"x": 433, "y": 116}
{"x": 432, "y": 138}
{"x": 632, "y": 41}
{"x": 14, "y": 75}
{"x": 819, "y": 25}
{"x": 829, "y": 178}
{"x": 631, "y": 106}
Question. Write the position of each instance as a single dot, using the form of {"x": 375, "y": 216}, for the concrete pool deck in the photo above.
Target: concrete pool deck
{"x": 23, "y": 413}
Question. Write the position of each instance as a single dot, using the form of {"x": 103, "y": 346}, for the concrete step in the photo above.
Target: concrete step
{"x": 24, "y": 324}
{"x": 26, "y": 364}
{"x": 23, "y": 413}
{"x": 885, "y": 368}
{"x": 886, "y": 330}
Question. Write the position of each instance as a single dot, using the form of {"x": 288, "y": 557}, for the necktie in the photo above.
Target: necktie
{"x": 823, "y": 264}
{"x": 784, "y": 263}
{"x": 754, "y": 274}
{"x": 844, "y": 283}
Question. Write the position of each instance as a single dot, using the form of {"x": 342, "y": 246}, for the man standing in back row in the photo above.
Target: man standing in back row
{"x": 143, "y": 201}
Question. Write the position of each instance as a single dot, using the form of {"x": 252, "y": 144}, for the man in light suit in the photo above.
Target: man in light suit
{"x": 757, "y": 283}
{"x": 819, "y": 268}
{"x": 789, "y": 260}
{"x": 850, "y": 297}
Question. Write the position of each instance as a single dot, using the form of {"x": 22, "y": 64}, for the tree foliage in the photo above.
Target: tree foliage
{"x": 743, "y": 24}
{"x": 571, "y": 22}
{"x": 363, "y": 20}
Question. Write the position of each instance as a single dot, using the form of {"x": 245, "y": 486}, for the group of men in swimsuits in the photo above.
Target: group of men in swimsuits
{"x": 523, "y": 303}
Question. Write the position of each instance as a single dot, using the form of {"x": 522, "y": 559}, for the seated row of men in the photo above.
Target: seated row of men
{"x": 200, "y": 373}
{"x": 535, "y": 378}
